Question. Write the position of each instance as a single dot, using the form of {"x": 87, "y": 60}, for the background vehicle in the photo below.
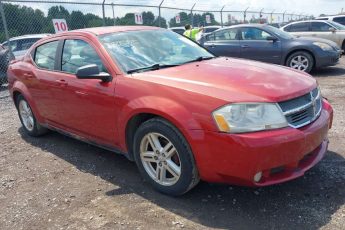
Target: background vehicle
{"x": 269, "y": 44}
{"x": 5, "y": 57}
{"x": 335, "y": 18}
{"x": 320, "y": 29}
{"x": 21, "y": 44}
{"x": 179, "y": 30}
{"x": 181, "y": 113}
{"x": 207, "y": 30}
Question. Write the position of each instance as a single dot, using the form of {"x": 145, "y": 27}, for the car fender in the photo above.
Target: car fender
{"x": 20, "y": 87}
{"x": 172, "y": 111}
{"x": 296, "y": 48}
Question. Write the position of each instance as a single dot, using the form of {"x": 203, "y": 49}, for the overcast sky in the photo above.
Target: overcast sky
{"x": 310, "y": 7}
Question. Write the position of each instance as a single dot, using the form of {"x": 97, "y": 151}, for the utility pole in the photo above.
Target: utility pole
{"x": 103, "y": 11}
{"x": 245, "y": 15}
{"x": 221, "y": 16}
{"x": 159, "y": 13}
{"x": 112, "y": 6}
{"x": 192, "y": 16}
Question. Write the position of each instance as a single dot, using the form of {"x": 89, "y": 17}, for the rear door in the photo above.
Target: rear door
{"x": 42, "y": 80}
{"x": 224, "y": 43}
{"x": 255, "y": 46}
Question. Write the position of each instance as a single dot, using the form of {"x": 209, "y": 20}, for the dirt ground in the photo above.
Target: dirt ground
{"x": 56, "y": 182}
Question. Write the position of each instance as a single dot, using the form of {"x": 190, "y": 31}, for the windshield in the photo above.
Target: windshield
{"x": 279, "y": 32}
{"x": 337, "y": 25}
{"x": 141, "y": 49}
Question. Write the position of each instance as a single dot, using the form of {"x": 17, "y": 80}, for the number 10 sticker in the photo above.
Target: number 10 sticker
{"x": 60, "y": 25}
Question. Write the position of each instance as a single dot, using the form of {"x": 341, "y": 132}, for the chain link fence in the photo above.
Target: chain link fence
{"x": 32, "y": 18}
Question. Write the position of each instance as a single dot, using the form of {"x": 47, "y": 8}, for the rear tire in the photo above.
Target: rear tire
{"x": 164, "y": 157}
{"x": 301, "y": 60}
{"x": 28, "y": 119}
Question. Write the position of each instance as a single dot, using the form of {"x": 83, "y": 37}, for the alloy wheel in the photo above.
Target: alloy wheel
{"x": 299, "y": 62}
{"x": 26, "y": 115}
{"x": 160, "y": 159}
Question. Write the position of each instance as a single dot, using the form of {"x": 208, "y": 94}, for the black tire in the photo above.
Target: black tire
{"x": 303, "y": 54}
{"x": 38, "y": 130}
{"x": 343, "y": 46}
{"x": 189, "y": 176}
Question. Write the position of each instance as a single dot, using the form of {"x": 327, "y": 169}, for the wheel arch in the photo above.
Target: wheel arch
{"x": 300, "y": 50}
{"x": 169, "y": 110}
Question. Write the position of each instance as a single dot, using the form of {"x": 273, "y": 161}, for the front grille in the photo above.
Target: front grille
{"x": 302, "y": 110}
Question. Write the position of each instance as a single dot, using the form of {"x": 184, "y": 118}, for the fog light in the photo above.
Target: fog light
{"x": 257, "y": 177}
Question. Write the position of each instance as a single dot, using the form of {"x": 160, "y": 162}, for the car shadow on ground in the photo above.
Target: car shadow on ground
{"x": 306, "y": 203}
{"x": 334, "y": 71}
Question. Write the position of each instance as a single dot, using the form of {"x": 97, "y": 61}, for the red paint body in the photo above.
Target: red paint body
{"x": 186, "y": 96}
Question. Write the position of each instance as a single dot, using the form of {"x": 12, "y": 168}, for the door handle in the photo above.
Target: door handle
{"x": 61, "y": 82}
{"x": 245, "y": 46}
{"x": 28, "y": 75}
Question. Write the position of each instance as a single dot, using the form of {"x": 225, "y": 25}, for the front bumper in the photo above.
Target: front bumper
{"x": 328, "y": 59}
{"x": 280, "y": 155}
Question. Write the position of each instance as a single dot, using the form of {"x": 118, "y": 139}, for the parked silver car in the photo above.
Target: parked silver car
{"x": 318, "y": 28}
{"x": 21, "y": 44}
{"x": 336, "y": 18}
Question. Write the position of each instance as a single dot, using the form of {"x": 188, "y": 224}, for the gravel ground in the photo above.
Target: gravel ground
{"x": 56, "y": 182}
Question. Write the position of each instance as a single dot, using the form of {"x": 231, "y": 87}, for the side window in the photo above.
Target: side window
{"x": 340, "y": 20}
{"x": 320, "y": 27}
{"x": 254, "y": 34}
{"x": 287, "y": 28}
{"x": 45, "y": 55}
{"x": 225, "y": 35}
{"x": 300, "y": 27}
{"x": 78, "y": 53}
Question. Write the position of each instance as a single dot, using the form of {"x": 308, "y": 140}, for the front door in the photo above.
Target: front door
{"x": 87, "y": 105}
{"x": 255, "y": 46}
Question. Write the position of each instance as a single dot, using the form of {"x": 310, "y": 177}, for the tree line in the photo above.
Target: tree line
{"x": 23, "y": 20}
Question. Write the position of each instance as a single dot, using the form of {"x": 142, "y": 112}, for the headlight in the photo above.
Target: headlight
{"x": 323, "y": 46}
{"x": 249, "y": 117}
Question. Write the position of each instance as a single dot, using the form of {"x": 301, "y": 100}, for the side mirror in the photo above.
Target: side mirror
{"x": 92, "y": 72}
{"x": 271, "y": 38}
{"x": 332, "y": 29}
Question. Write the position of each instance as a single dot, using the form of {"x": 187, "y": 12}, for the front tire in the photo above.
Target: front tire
{"x": 27, "y": 118}
{"x": 164, "y": 157}
{"x": 300, "y": 60}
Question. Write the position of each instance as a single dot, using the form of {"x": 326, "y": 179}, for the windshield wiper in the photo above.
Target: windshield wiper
{"x": 198, "y": 59}
{"x": 148, "y": 68}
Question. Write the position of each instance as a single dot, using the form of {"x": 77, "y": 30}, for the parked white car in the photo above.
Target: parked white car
{"x": 21, "y": 44}
{"x": 336, "y": 18}
{"x": 318, "y": 28}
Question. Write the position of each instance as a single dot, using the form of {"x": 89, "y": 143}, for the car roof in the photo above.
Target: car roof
{"x": 29, "y": 36}
{"x": 113, "y": 29}
{"x": 332, "y": 16}
{"x": 244, "y": 25}
{"x": 177, "y": 27}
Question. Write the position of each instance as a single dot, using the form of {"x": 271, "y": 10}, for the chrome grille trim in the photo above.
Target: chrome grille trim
{"x": 309, "y": 111}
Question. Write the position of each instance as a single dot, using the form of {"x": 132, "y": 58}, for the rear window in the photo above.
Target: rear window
{"x": 340, "y": 20}
{"x": 299, "y": 27}
{"x": 45, "y": 55}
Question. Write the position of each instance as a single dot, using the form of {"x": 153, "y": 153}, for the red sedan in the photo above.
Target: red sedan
{"x": 179, "y": 112}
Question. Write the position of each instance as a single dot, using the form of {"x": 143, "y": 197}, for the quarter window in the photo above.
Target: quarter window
{"x": 78, "y": 53}
{"x": 320, "y": 27}
{"x": 254, "y": 34}
{"x": 45, "y": 55}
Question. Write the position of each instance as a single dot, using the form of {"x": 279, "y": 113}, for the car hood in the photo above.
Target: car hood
{"x": 234, "y": 80}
